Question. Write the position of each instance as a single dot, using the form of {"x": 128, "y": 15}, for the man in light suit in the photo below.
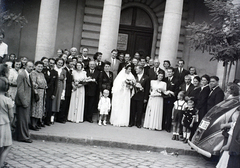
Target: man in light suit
{"x": 23, "y": 103}
{"x": 114, "y": 63}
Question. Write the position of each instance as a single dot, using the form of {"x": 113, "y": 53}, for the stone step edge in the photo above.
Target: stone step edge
{"x": 113, "y": 144}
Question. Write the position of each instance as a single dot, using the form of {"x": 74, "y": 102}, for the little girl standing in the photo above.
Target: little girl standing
{"x": 188, "y": 120}
{"x": 177, "y": 113}
{"x": 223, "y": 162}
{"x": 104, "y": 106}
{"x": 6, "y": 116}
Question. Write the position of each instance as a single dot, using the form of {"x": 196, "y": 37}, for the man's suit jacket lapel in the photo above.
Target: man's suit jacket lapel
{"x": 142, "y": 79}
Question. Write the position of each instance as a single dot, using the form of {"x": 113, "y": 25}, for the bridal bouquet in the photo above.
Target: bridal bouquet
{"x": 80, "y": 83}
{"x": 130, "y": 83}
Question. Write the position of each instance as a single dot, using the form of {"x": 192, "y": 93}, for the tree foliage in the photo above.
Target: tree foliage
{"x": 8, "y": 19}
{"x": 221, "y": 38}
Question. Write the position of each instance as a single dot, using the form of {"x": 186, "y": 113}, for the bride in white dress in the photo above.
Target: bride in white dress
{"x": 122, "y": 93}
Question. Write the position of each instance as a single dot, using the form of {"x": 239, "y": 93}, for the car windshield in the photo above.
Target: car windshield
{"x": 222, "y": 107}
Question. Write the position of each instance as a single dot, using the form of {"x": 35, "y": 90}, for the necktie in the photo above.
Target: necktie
{"x": 70, "y": 71}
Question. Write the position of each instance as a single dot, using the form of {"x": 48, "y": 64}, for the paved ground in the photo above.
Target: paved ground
{"x": 50, "y": 154}
{"x": 110, "y": 136}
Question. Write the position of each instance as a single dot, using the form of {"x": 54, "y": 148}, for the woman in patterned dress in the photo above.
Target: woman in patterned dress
{"x": 40, "y": 86}
{"x": 60, "y": 89}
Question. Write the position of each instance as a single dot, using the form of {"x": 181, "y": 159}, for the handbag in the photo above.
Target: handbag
{"x": 36, "y": 96}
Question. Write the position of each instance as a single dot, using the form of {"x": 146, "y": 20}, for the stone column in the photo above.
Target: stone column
{"x": 171, "y": 31}
{"x": 47, "y": 29}
{"x": 109, "y": 27}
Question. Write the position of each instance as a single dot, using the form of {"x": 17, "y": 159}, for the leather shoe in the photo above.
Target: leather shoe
{"x": 62, "y": 122}
{"x": 42, "y": 125}
{"x": 90, "y": 121}
{"x": 48, "y": 124}
{"x": 139, "y": 126}
{"x": 174, "y": 137}
{"x": 33, "y": 128}
{"x": 130, "y": 125}
{"x": 27, "y": 140}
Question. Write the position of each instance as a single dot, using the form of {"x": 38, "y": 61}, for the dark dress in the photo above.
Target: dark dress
{"x": 194, "y": 94}
{"x": 188, "y": 116}
{"x": 202, "y": 102}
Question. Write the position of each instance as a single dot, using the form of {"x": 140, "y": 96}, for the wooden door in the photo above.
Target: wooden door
{"x": 135, "y": 32}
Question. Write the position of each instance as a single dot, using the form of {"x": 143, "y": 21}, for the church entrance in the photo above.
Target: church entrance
{"x": 135, "y": 32}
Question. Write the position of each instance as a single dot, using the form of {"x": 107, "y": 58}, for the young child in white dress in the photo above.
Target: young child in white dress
{"x": 104, "y": 107}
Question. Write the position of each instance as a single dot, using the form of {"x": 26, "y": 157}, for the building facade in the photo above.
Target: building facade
{"x": 151, "y": 27}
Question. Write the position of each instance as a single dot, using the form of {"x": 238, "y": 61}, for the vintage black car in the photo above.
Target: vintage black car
{"x": 208, "y": 139}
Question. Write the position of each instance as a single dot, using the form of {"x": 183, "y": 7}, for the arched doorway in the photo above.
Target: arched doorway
{"x": 135, "y": 31}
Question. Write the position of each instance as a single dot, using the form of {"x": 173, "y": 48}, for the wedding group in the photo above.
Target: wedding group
{"x": 124, "y": 90}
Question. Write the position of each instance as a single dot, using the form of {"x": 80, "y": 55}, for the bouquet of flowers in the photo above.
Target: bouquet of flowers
{"x": 130, "y": 83}
{"x": 79, "y": 83}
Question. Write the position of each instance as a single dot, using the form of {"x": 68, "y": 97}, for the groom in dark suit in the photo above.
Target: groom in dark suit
{"x": 140, "y": 98}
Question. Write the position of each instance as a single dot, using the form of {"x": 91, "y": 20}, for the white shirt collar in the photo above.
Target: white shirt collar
{"x": 140, "y": 76}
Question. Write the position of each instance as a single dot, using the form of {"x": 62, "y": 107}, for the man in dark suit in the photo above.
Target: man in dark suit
{"x": 92, "y": 92}
{"x": 85, "y": 58}
{"x": 63, "y": 114}
{"x": 146, "y": 67}
{"x": 180, "y": 72}
{"x": 23, "y": 103}
{"x": 153, "y": 72}
{"x": 172, "y": 91}
{"x": 140, "y": 98}
{"x": 187, "y": 86}
{"x": 216, "y": 95}
{"x": 51, "y": 77}
{"x": 99, "y": 64}
{"x": 127, "y": 60}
